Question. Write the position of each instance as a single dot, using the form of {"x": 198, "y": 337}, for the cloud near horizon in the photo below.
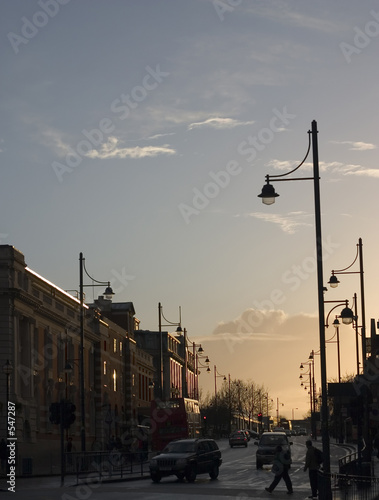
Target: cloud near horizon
{"x": 264, "y": 324}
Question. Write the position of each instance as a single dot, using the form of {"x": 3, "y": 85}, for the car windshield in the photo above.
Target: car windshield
{"x": 238, "y": 434}
{"x": 180, "y": 447}
{"x": 273, "y": 440}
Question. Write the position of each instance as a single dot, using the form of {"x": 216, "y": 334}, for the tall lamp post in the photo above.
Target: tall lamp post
{"x": 277, "y": 411}
{"x": 268, "y": 196}
{"x": 333, "y": 282}
{"x": 108, "y": 293}
{"x": 179, "y": 331}
{"x": 311, "y": 394}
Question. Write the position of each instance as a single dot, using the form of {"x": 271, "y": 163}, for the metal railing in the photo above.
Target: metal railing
{"x": 106, "y": 465}
{"x": 350, "y": 487}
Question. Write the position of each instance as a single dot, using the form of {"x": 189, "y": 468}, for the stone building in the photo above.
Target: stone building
{"x": 40, "y": 338}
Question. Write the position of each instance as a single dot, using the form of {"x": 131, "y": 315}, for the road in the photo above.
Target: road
{"x": 238, "y": 480}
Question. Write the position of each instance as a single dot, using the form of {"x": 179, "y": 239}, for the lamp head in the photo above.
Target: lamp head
{"x": 347, "y": 316}
{"x": 200, "y": 349}
{"x": 108, "y": 293}
{"x": 179, "y": 329}
{"x": 336, "y": 323}
{"x": 268, "y": 194}
{"x": 333, "y": 281}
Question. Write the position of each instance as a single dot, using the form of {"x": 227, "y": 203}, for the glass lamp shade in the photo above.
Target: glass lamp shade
{"x": 268, "y": 194}
{"x": 108, "y": 293}
{"x": 333, "y": 282}
{"x": 347, "y": 316}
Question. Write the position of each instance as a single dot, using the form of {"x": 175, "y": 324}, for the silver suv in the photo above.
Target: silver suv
{"x": 267, "y": 444}
{"x": 185, "y": 458}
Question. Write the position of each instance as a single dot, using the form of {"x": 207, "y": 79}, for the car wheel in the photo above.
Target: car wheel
{"x": 214, "y": 471}
{"x": 180, "y": 476}
{"x": 156, "y": 477}
{"x": 191, "y": 474}
{"x": 259, "y": 465}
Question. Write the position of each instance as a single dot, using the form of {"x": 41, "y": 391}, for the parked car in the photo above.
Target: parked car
{"x": 238, "y": 439}
{"x": 267, "y": 445}
{"x": 302, "y": 431}
{"x": 186, "y": 458}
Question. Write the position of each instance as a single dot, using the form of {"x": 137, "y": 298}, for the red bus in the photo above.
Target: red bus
{"x": 176, "y": 418}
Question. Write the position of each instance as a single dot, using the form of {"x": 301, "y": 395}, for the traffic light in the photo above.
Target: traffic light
{"x": 68, "y": 414}
{"x": 260, "y": 417}
{"x": 55, "y": 413}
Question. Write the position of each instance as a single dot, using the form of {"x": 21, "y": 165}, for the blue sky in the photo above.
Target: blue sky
{"x": 139, "y": 133}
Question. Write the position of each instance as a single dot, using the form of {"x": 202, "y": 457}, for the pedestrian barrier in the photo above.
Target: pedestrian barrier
{"x": 106, "y": 465}
{"x": 349, "y": 487}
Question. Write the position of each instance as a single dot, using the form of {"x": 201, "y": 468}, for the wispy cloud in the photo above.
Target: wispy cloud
{"x": 111, "y": 149}
{"x": 219, "y": 123}
{"x": 365, "y": 172}
{"x": 357, "y": 145}
{"x": 289, "y": 223}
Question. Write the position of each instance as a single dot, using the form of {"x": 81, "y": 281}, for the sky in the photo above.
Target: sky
{"x": 140, "y": 134}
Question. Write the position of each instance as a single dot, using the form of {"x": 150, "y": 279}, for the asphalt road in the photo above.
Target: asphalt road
{"x": 238, "y": 480}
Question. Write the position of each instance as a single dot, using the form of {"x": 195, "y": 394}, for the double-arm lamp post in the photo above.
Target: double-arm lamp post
{"x": 311, "y": 384}
{"x": 333, "y": 282}
{"x": 108, "y": 295}
{"x": 268, "y": 196}
{"x": 179, "y": 331}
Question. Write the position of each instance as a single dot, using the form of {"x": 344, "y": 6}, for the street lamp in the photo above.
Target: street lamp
{"x": 108, "y": 293}
{"x": 267, "y": 410}
{"x": 277, "y": 410}
{"x": 333, "y": 282}
{"x": 293, "y": 413}
{"x": 179, "y": 331}
{"x": 217, "y": 375}
{"x": 312, "y": 402}
{"x": 268, "y": 196}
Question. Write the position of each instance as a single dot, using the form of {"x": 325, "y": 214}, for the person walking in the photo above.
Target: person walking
{"x": 311, "y": 464}
{"x": 280, "y": 467}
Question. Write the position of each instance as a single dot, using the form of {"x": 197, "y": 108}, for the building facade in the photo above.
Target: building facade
{"x": 40, "y": 339}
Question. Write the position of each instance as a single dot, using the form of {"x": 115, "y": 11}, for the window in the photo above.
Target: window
{"x": 120, "y": 347}
{"x": 114, "y": 345}
{"x": 115, "y": 380}
{"x": 105, "y": 368}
